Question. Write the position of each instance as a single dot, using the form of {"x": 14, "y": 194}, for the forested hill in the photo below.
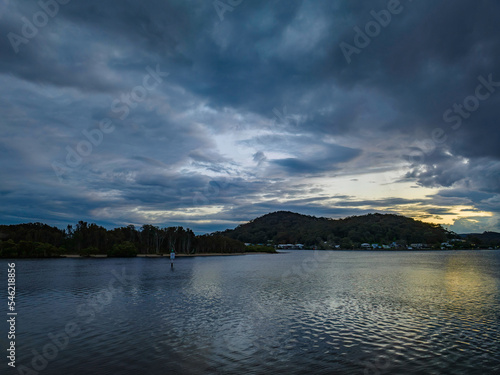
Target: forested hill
{"x": 41, "y": 240}
{"x": 289, "y": 227}
{"x": 484, "y": 239}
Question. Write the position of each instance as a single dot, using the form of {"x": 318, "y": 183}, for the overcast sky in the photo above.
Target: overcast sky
{"x": 208, "y": 114}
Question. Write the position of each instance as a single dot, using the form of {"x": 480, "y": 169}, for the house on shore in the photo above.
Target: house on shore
{"x": 289, "y": 246}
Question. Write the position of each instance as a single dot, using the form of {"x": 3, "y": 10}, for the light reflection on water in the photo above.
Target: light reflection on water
{"x": 292, "y": 313}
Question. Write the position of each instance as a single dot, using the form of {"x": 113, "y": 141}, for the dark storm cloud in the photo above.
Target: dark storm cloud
{"x": 272, "y": 68}
{"x": 477, "y": 174}
{"x": 332, "y": 155}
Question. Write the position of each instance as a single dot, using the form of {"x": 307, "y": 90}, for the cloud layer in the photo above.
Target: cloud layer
{"x": 183, "y": 113}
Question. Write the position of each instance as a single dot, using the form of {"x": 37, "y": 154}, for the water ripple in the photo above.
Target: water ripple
{"x": 422, "y": 313}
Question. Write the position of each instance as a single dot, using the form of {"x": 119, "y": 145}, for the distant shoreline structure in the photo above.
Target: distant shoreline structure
{"x": 281, "y": 251}
{"x": 281, "y": 230}
{"x": 166, "y": 256}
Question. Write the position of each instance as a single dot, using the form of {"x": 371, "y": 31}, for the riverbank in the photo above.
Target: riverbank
{"x": 166, "y": 255}
{"x": 218, "y": 254}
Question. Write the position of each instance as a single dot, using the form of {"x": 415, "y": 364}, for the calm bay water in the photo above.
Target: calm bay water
{"x": 300, "y": 312}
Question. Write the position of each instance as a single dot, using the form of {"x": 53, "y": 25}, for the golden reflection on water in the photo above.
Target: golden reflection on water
{"x": 469, "y": 288}
{"x": 458, "y": 282}
{"x": 417, "y": 295}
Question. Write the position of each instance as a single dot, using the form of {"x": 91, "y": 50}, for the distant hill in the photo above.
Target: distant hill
{"x": 485, "y": 238}
{"x": 290, "y": 227}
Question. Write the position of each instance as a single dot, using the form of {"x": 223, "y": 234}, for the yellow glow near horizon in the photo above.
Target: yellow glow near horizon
{"x": 456, "y": 212}
{"x": 384, "y": 186}
{"x": 191, "y": 213}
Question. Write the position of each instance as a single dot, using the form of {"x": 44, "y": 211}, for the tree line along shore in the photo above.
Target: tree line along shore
{"x": 263, "y": 234}
{"x": 37, "y": 240}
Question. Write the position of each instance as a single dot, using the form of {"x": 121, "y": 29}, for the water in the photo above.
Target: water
{"x": 300, "y": 312}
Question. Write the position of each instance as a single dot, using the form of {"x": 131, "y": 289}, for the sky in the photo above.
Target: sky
{"x": 208, "y": 114}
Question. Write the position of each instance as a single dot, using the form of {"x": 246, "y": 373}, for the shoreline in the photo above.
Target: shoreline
{"x": 101, "y": 256}
{"x": 164, "y": 255}
{"x": 218, "y": 254}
